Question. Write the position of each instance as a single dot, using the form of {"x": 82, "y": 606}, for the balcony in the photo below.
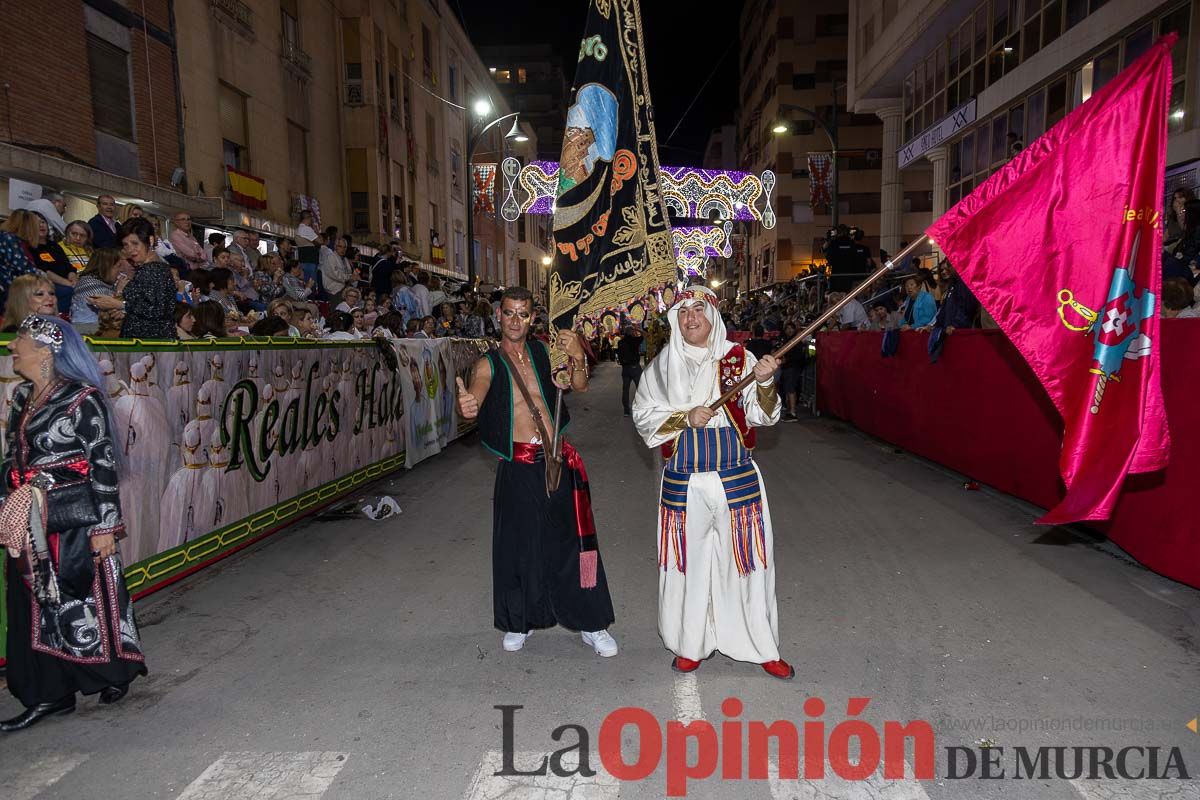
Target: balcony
{"x": 355, "y": 96}
{"x": 294, "y": 57}
{"x": 235, "y": 14}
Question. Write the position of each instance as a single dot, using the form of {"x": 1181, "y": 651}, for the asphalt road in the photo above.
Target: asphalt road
{"x": 356, "y": 659}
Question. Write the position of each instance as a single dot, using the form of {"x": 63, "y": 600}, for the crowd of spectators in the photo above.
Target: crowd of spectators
{"x": 116, "y": 275}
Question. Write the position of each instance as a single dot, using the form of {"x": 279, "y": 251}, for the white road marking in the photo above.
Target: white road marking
{"x": 487, "y": 785}
{"x": 24, "y": 781}
{"x": 876, "y": 787}
{"x": 1134, "y": 790}
{"x": 266, "y": 776}
{"x": 686, "y": 692}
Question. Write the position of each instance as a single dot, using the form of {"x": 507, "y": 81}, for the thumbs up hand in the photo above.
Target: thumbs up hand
{"x": 468, "y": 405}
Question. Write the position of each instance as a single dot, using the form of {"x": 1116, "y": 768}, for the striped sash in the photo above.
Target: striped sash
{"x": 712, "y": 450}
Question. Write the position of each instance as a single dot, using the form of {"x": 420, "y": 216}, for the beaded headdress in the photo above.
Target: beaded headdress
{"x": 44, "y": 332}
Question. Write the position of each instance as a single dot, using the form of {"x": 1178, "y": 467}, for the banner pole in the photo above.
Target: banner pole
{"x": 822, "y": 319}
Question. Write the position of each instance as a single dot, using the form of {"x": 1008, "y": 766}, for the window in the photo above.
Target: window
{"x": 453, "y": 88}
{"x": 231, "y": 110}
{"x": 297, "y": 159}
{"x": 427, "y": 52}
{"x": 868, "y": 34}
{"x": 521, "y": 75}
{"x": 1177, "y": 22}
{"x": 398, "y": 227}
{"x": 357, "y": 183}
{"x": 352, "y": 53}
{"x": 834, "y": 24}
{"x": 289, "y": 15}
{"x": 393, "y": 82}
{"x": 460, "y": 246}
{"x": 503, "y": 76}
{"x": 108, "y": 68}
{"x": 431, "y": 149}
{"x": 827, "y": 71}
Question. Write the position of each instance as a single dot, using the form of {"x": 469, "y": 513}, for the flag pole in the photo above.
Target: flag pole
{"x": 822, "y": 319}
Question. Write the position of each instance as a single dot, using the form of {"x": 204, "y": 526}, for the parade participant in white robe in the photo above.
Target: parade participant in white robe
{"x": 8, "y": 385}
{"x": 223, "y": 494}
{"x": 112, "y": 385}
{"x": 216, "y": 385}
{"x": 180, "y": 408}
{"x": 296, "y": 387}
{"x": 143, "y": 435}
{"x": 204, "y": 413}
{"x": 150, "y": 362}
{"x": 180, "y": 515}
{"x": 716, "y": 588}
{"x": 279, "y": 380}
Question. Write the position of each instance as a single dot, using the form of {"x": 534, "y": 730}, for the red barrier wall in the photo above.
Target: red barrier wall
{"x": 980, "y": 411}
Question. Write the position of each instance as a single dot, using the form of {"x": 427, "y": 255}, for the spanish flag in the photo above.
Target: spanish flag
{"x": 247, "y": 190}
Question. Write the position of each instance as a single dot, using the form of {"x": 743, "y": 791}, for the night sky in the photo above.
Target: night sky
{"x": 684, "y": 41}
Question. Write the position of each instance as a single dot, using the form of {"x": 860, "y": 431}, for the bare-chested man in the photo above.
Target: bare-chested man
{"x": 546, "y": 567}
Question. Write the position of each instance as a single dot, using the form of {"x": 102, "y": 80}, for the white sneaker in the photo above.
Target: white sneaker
{"x": 514, "y": 641}
{"x": 602, "y": 642}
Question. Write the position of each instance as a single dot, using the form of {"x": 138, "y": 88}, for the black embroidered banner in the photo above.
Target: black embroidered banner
{"x": 611, "y": 233}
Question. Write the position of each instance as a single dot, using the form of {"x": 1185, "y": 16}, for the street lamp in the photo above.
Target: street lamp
{"x": 830, "y": 130}
{"x": 547, "y": 261}
{"x": 482, "y": 108}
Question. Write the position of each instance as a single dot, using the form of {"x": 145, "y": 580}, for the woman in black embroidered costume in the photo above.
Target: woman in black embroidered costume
{"x": 71, "y": 626}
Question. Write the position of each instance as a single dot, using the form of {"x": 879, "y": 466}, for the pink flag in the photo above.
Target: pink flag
{"x": 1063, "y": 247}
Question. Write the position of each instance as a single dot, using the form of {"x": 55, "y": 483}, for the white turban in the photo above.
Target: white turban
{"x": 684, "y": 374}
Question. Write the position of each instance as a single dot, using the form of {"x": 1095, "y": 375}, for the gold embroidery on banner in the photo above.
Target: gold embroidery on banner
{"x": 563, "y": 296}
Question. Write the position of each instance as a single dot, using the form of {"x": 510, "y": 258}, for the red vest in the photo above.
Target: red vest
{"x": 729, "y": 372}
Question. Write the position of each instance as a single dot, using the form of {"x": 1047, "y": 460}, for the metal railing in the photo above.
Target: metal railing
{"x": 355, "y": 96}
{"x": 294, "y": 56}
{"x": 237, "y": 12}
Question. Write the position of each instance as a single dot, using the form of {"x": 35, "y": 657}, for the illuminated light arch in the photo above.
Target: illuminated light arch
{"x": 689, "y": 193}
{"x": 695, "y": 245}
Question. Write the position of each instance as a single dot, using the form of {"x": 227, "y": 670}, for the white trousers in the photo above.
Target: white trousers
{"x": 712, "y": 607}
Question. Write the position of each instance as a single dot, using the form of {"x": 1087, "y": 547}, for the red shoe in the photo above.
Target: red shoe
{"x": 779, "y": 669}
{"x": 684, "y": 665}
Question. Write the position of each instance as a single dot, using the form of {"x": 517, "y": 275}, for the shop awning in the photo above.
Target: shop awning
{"x": 80, "y": 179}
